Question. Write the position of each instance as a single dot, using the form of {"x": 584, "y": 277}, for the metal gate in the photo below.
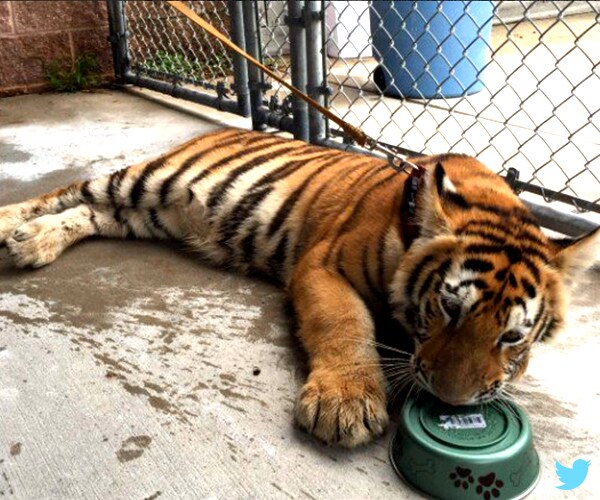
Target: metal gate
{"x": 538, "y": 111}
{"x": 158, "y": 48}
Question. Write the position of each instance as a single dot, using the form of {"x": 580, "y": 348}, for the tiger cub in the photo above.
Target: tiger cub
{"x": 478, "y": 286}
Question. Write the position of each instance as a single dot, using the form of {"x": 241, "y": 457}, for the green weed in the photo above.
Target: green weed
{"x": 178, "y": 64}
{"x": 66, "y": 76}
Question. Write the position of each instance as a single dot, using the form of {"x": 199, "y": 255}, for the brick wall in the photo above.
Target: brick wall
{"x": 35, "y": 31}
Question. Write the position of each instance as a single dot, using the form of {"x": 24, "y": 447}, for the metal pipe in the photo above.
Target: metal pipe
{"x": 556, "y": 196}
{"x": 277, "y": 120}
{"x": 568, "y": 224}
{"x": 298, "y": 67}
{"x": 179, "y": 92}
{"x": 324, "y": 60}
{"x": 255, "y": 83}
{"x": 313, "y": 15}
{"x": 240, "y": 65}
{"x": 118, "y": 37}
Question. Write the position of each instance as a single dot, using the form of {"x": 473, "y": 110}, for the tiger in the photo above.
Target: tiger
{"x": 472, "y": 289}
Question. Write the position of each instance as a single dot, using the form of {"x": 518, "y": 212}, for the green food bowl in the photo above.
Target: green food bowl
{"x": 479, "y": 452}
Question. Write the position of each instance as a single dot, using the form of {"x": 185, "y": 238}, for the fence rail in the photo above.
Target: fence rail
{"x": 513, "y": 83}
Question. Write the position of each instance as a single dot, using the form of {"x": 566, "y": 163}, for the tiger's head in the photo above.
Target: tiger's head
{"x": 482, "y": 283}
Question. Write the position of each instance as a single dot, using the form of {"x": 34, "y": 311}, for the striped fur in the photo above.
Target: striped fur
{"x": 474, "y": 292}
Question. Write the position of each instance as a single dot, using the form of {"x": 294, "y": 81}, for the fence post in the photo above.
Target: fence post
{"x": 255, "y": 82}
{"x": 240, "y": 66}
{"x": 118, "y": 37}
{"x": 295, "y": 22}
{"x": 313, "y": 17}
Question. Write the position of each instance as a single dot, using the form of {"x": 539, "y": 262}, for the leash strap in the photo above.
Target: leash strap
{"x": 358, "y": 135}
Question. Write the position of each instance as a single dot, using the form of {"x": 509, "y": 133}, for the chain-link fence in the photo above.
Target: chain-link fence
{"x": 402, "y": 71}
{"x": 514, "y": 83}
{"x": 158, "y": 47}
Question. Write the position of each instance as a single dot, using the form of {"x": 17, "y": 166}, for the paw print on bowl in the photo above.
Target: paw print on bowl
{"x": 462, "y": 477}
{"x": 489, "y": 486}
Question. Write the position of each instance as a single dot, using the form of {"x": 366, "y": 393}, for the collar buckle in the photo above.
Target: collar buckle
{"x": 394, "y": 156}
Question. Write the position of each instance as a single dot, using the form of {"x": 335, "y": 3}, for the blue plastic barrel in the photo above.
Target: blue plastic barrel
{"x": 429, "y": 49}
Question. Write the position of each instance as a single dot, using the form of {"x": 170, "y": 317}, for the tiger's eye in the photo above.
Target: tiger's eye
{"x": 511, "y": 337}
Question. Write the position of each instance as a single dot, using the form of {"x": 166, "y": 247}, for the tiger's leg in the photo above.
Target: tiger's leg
{"x": 104, "y": 191}
{"x": 344, "y": 400}
{"x": 42, "y": 240}
{"x": 156, "y": 183}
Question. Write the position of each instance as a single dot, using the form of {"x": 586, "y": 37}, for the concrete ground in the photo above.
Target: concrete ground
{"x": 128, "y": 370}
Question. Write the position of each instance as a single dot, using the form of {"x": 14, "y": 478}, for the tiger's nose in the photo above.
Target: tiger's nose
{"x": 450, "y": 391}
{"x": 456, "y": 400}
{"x": 453, "y": 402}
{"x": 421, "y": 368}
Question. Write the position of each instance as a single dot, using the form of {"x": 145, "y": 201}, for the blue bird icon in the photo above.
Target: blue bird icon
{"x": 573, "y": 477}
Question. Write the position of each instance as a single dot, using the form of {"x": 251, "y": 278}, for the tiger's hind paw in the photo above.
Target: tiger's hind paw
{"x": 343, "y": 409}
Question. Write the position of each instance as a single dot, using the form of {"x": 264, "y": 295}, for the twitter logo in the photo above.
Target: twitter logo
{"x": 573, "y": 477}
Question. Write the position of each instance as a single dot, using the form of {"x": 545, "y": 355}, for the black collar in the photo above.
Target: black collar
{"x": 409, "y": 226}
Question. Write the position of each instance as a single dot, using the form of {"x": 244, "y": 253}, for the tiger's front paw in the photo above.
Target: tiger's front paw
{"x": 348, "y": 409}
{"x": 10, "y": 219}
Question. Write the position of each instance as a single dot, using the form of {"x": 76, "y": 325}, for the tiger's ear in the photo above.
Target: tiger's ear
{"x": 442, "y": 199}
{"x": 446, "y": 190}
{"x": 573, "y": 256}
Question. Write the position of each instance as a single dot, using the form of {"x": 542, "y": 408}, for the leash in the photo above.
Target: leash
{"x": 361, "y": 138}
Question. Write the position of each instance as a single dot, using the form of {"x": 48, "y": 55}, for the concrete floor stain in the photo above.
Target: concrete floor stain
{"x": 12, "y": 154}
{"x": 135, "y": 390}
{"x": 154, "y": 387}
{"x": 133, "y": 448}
{"x": 230, "y": 394}
{"x": 15, "y": 449}
{"x": 229, "y": 377}
{"x": 6, "y": 488}
{"x": 153, "y": 496}
{"x": 111, "y": 362}
{"x": 551, "y": 420}
{"x": 162, "y": 404}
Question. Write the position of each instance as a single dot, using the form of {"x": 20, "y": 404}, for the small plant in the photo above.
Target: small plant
{"x": 173, "y": 64}
{"x": 67, "y": 76}
{"x": 178, "y": 64}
